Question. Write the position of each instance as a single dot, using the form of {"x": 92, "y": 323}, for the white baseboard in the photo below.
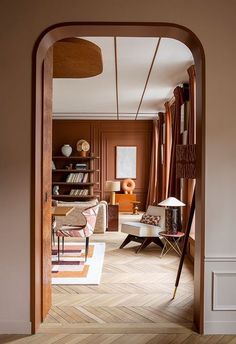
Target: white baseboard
{"x": 15, "y": 327}
{"x": 220, "y": 327}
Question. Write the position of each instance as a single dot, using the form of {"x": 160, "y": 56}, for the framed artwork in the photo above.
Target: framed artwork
{"x": 126, "y": 157}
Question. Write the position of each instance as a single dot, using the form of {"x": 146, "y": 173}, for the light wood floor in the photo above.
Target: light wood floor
{"x": 132, "y": 305}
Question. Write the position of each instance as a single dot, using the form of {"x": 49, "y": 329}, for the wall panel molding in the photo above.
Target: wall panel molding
{"x": 103, "y": 137}
{"x": 223, "y": 294}
{"x": 220, "y": 259}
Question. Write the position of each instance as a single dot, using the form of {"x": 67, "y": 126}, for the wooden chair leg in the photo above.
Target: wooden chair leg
{"x": 63, "y": 244}
{"x": 86, "y": 248}
{"x": 145, "y": 243}
{"x": 126, "y": 241}
{"x": 58, "y": 249}
{"x": 158, "y": 242}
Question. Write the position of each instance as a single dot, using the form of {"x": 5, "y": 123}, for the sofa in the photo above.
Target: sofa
{"x": 76, "y": 217}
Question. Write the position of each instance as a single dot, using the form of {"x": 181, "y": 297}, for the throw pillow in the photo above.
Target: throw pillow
{"x": 151, "y": 219}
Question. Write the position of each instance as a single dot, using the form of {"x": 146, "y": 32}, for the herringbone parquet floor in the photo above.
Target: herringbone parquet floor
{"x": 132, "y": 305}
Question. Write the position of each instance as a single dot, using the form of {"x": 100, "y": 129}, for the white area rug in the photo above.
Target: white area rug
{"x": 73, "y": 269}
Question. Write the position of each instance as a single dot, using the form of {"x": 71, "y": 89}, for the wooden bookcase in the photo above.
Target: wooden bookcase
{"x": 65, "y": 169}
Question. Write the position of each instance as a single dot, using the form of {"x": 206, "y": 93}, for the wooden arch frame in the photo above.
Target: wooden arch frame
{"x": 66, "y": 30}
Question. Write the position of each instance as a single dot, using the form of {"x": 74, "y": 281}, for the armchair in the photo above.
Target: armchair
{"x": 79, "y": 231}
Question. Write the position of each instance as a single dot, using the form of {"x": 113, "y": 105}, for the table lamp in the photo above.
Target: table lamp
{"x": 172, "y": 214}
{"x": 112, "y": 186}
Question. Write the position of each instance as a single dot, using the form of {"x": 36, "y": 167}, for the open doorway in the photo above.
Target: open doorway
{"x": 128, "y": 33}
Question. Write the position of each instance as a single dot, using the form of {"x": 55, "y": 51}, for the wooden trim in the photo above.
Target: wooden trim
{"x": 148, "y": 76}
{"x": 116, "y": 72}
{"x": 132, "y": 29}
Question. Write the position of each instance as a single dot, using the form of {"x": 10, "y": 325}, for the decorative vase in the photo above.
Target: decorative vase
{"x": 66, "y": 150}
{"x": 55, "y": 190}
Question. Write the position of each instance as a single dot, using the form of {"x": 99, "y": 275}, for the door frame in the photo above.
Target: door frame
{"x": 43, "y": 43}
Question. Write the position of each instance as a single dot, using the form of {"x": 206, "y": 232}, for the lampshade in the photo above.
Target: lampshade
{"x": 171, "y": 202}
{"x": 112, "y": 185}
{"x": 76, "y": 58}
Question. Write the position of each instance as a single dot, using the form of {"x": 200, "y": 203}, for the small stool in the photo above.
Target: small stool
{"x": 135, "y": 207}
{"x": 171, "y": 242}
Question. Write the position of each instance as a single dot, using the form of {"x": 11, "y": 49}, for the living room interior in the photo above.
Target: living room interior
{"x": 114, "y": 139}
{"x": 28, "y": 30}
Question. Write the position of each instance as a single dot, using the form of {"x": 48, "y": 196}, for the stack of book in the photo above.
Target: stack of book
{"x": 78, "y": 192}
{"x": 77, "y": 178}
{"x": 81, "y": 166}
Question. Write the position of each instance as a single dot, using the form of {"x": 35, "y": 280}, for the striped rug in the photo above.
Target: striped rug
{"x": 72, "y": 269}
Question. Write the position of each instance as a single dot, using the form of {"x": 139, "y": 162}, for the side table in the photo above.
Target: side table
{"x": 113, "y": 220}
{"x": 135, "y": 207}
{"x": 171, "y": 242}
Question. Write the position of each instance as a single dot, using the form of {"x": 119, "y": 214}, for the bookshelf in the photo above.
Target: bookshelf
{"x": 74, "y": 178}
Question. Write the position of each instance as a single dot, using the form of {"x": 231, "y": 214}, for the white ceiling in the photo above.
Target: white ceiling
{"x": 95, "y": 97}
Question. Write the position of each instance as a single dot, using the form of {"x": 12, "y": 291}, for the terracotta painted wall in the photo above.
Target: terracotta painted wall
{"x": 103, "y": 137}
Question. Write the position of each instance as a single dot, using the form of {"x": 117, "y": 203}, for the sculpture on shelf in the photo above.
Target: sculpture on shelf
{"x": 128, "y": 186}
{"x": 55, "y": 190}
{"x": 66, "y": 150}
{"x": 82, "y": 147}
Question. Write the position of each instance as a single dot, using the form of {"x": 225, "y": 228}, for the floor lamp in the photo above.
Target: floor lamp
{"x": 185, "y": 168}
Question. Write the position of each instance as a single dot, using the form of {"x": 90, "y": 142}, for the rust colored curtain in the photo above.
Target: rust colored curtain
{"x": 191, "y": 135}
{"x": 154, "y": 195}
{"x": 167, "y": 149}
{"x": 174, "y": 183}
{"x": 188, "y": 184}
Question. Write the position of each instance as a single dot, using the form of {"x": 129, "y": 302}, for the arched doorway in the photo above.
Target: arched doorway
{"x": 45, "y": 41}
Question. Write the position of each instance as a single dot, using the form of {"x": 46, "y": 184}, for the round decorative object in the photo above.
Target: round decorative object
{"x": 82, "y": 146}
{"x": 76, "y": 58}
{"x": 128, "y": 185}
{"x": 66, "y": 150}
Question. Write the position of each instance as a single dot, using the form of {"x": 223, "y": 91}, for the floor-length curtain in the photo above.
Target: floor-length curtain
{"x": 174, "y": 183}
{"x": 167, "y": 148}
{"x": 191, "y": 135}
{"x": 155, "y": 180}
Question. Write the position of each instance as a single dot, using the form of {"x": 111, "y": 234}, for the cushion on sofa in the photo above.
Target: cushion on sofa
{"x": 140, "y": 229}
{"x": 154, "y": 210}
{"x": 151, "y": 219}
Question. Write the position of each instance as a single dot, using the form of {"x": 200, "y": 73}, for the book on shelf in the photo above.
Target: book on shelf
{"x": 73, "y": 192}
{"x": 75, "y": 178}
{"x": 78, "y": 192}
{"x": 81, "y": 166}
{"x": 85, "y": 178}
{"x": 69, "y": 178}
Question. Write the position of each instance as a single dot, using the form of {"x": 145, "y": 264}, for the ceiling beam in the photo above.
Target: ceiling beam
{"x": 148, "y": 76}
{"x": 116, "y": 71}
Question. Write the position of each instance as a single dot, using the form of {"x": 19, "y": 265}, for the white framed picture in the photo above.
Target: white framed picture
{"x": 126, "y": 157}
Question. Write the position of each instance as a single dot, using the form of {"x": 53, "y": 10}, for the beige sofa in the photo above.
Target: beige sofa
{"x": 76, "y": 217}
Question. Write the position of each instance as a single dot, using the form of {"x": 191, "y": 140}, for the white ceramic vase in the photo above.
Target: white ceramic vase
{"x": 66, "y": 150}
